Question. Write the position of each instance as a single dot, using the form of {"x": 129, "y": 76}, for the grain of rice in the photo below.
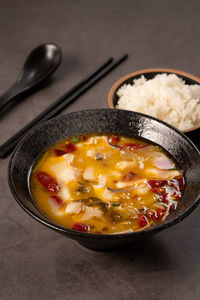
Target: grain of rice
{"x": 165, "y": 97}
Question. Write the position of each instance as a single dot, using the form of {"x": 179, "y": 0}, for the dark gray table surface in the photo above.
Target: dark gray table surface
{"x": 35, "y": 262}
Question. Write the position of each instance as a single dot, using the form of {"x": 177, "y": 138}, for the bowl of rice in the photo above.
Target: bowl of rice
{"x": 170, "y": 95}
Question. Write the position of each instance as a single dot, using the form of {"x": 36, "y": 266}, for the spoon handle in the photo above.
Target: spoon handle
{"x": 9, "y": 95}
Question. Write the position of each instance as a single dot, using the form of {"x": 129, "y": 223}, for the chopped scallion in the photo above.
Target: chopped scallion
{"x": 75, "y": 140}
{"x": 115, "y": 204}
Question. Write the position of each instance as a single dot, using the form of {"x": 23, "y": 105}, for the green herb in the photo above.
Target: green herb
{"x": 75, "y": 140}
{"x": 115, "y": 204}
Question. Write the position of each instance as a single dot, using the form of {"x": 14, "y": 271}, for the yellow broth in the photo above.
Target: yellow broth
{"x": 106, "y": 184}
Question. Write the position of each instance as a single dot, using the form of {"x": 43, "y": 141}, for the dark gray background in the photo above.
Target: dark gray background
{"x": 35, "y": 262}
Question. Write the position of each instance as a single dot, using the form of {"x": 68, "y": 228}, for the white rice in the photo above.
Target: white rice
{"x": 165, "y": 97}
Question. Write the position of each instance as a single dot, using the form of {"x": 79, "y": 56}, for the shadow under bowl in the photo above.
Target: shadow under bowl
{"x": 120, "y": 122}
{"x": 149, "y": 74}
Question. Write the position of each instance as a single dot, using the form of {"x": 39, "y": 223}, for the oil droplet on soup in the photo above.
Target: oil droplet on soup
{"x": 106, "y": 184}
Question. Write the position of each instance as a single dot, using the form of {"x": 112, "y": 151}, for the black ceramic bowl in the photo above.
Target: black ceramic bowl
{"x": 149, "y": 74}
{"x": 121, "y": 122}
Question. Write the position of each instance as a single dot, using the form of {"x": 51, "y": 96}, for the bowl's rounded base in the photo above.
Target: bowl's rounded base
{"x": 106, "y": 245}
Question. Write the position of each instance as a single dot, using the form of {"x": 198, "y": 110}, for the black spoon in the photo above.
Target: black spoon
{"x": 39, "y": 65}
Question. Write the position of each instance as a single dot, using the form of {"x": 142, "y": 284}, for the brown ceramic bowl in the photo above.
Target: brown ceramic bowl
{"x": 149, "y": 74}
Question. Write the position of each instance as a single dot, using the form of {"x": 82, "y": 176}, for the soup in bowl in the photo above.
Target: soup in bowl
{"x": 106, "y": 184}
{"x": 106, "y": 177}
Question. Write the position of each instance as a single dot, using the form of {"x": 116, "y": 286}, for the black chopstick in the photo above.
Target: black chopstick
{"x": 61, "y": 103}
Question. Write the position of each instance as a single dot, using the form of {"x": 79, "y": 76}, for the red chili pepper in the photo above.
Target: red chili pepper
{"x": 80, "y": 227}
{"x": 181, "y": 183}
{"x": 158, "y": 190}
{"x": 70, "y": 147}
{"x": 142, "y": 221}
{"x": 172, "y": 207}
{"x": 157, "y": 183}
{"x": 84, "y": 138}
{"x": 113, "y": 140}
{"x": 165, "y": 198}
{"x": 151, "y": 215}
{"x": 45, "y": 178}
{"x": 128, "y": 177}
{"x": 53, "y": 188}
{"x": 59, "y": 152}
{"x": 177, "y": 196}
{"x": 48, "y": 181}
{"x": 160, "y": 213}
{"x": 57, "y": 199}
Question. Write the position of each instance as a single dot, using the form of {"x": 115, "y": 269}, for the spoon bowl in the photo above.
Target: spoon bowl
{"x": 39, "y": 65}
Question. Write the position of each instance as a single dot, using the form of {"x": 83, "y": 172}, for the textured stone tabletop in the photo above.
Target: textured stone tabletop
{"x": 35, "y": 262}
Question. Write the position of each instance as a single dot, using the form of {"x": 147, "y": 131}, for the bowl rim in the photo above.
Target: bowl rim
{"x": 83, "y": 235}
{"x": 151, "y": 70}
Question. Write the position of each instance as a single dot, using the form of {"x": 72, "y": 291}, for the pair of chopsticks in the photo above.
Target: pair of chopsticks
{"x": 55, "y": 108}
